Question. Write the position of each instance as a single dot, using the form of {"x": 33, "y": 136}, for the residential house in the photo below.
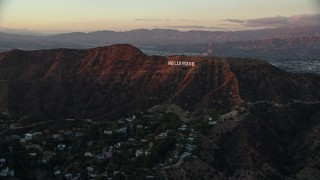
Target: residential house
{"x": 185, "y": 155}
{"x": 107, "y": 132}
{"x": 189, "y": 147}
{"x": 28, "y": 136}
{"x": 78, "y": 134}
{"x": 90, "y": 169}
{"x": 212, "y": 122}
{"x": 61, "y": 146}
{"x": 139, "y": 152}
{"x": 3, "y": 173}
{"x": 33, "y": 154}
{"x": 100, "y": 156}
{"x": 2, "y": 162}
{"x": 68, "y": 176}
{"x": 131, "y": 140}
{"x": 91, "y": 175}
{"x": 190, "y": 139}
{"x": 56, "y": 136}
{"x": 183, "y": 127}
{"x": 6, "y": 172}
{"x": 139, "y": 126}
{"x": 162, "y": 135}
{"x": 61, "y": 131}
{"x": 10, "y": 172}
{"x": 121, "y": 121}
{"x": 67, "y": 133}
{"x": 119, "y": 144}
{"x": 88, "y": 154}
{"x": 45, "y": 160}
{"x": 89, "y": 143}
{"x": 193, "y": 135}
{"x": 147, "y": 153}
{"x": 131, "y": 119}
{"x": 151, "y": 144}
{"x": 121, "y": 130}
{"x": 37, "y": 133}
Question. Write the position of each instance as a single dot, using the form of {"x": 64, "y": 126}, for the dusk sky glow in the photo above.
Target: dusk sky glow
{"x": 122, "y": 15}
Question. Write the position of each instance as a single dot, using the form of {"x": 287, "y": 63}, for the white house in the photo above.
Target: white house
{"x": 122, "y": 130}
{"x": 183, "y": 127}
{"x": 212, "y": 122}
{"x": 68, "y": 176}
{"x": 120, "y": 121}
{"x": 118, "y": 145}
{"x": 37, "y": 133}
{"x": 107, "y": 132}
{"x": 139, "y": 152}
{"x": 139, "y": 126}
{"x": 28, "y": 136}
{"x": 11, "y": 172}
{"x": 56, "y": 136}
{"x": 90, "y": 169}
{"x": 88, "y": 154}
{"x": 184, "y": 155}
{"x": 100, "y": 156}
{"x": 67, "y": 133}
{"x": 61, "y": 146}
{"x": 33, "y": 154}
{"x": 6, "y": 172}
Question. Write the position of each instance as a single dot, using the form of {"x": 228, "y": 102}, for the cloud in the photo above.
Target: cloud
{"x": 234, "y": 20}
{"x": 152, "y": 19}
{"x": 189, "y": 27}
{"x": 187, "y": 20}
{"x": 167, "y": 19}
{"x": 196, "y": 27}
{"x": 280, "y": 21}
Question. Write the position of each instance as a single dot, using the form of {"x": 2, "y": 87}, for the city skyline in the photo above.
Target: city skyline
{"x": 80, "y": 15}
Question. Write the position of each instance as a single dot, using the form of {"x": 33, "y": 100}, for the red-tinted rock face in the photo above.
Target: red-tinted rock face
{"x": 108, "y": 82}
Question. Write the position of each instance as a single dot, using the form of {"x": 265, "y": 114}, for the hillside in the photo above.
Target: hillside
{"x": 99, "y": 80}
{"x": 267, "y": 120}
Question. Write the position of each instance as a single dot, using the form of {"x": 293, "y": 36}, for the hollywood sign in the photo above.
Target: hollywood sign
{"x": 181, "y": 63}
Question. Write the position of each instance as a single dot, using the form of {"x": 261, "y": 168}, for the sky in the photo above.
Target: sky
{"x": 55, "y": 16}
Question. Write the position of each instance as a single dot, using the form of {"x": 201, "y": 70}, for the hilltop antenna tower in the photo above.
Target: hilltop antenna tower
{"x": 209, "y": 52}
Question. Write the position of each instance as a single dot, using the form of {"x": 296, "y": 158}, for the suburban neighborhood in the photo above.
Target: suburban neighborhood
{"x": 139, "y": 146}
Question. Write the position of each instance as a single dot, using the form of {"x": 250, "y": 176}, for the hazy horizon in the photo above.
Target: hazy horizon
{"x": 59, "y": 16}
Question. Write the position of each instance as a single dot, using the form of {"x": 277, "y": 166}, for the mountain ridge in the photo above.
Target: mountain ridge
{"x": 130, "y": 76}
{"x": 141, "y": 37}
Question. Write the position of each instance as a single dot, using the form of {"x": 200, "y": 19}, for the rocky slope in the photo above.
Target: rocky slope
{"x": 98, "y": 83}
